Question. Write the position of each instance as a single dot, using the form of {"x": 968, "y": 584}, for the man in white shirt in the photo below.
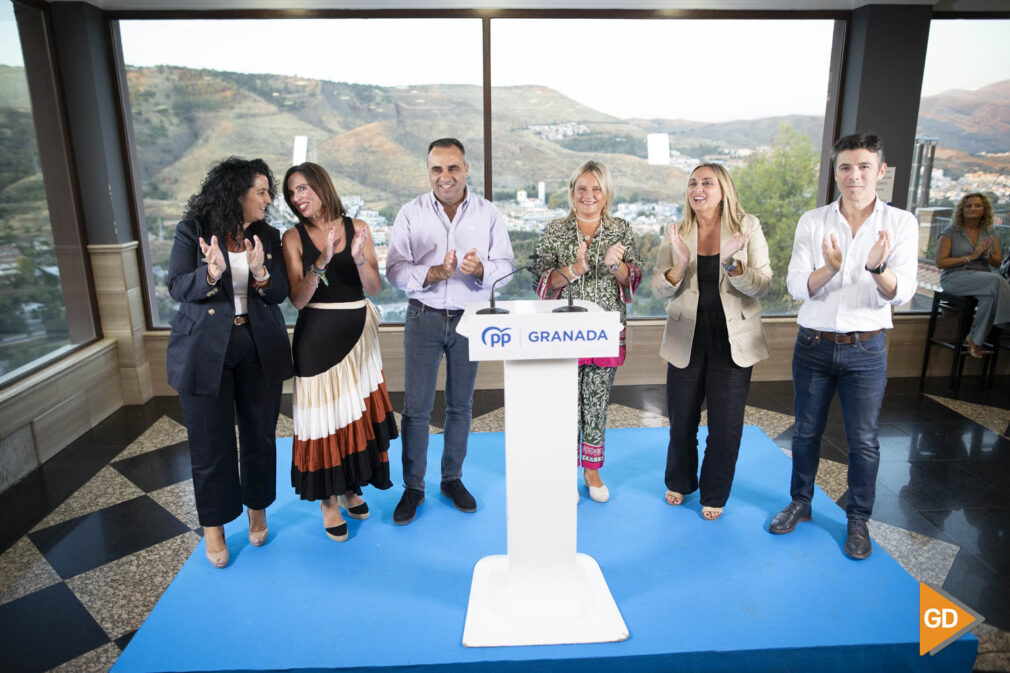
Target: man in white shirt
{"x": 446, "y": 250}
{"x": 852, "y": 260}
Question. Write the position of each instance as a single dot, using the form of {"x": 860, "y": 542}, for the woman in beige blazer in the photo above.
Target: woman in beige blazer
{"x": 712, "y": 266}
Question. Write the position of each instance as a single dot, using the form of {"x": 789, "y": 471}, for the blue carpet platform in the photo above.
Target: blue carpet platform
{"x": 696, "y": 595}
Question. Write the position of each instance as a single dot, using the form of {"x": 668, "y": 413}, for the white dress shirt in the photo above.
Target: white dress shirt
{"x": 422, "y": 235}
{"x": 851, "y": 301}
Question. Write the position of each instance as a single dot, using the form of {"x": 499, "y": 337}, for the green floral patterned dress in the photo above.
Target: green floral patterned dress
{"x": 558, "y": 247}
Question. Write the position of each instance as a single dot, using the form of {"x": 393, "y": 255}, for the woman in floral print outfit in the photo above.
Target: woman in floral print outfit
{"x": 597, "y": 253}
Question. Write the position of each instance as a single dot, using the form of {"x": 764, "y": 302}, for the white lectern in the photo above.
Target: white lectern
{"x": 542, "y": 592}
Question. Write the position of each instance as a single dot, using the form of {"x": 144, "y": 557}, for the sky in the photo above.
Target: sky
{"x": 702, "y": 70}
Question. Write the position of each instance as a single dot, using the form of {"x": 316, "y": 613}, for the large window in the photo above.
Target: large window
{"x": 963, "y": 133}
{"x": 364, "y": 102}
{"x": 652, "y": 99}
{"x": 33, "y": 318}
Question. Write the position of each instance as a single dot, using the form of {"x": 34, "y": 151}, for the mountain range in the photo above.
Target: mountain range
{"x": 372, "y": 139}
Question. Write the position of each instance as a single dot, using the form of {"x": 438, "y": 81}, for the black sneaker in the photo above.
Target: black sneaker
{"x": 406, "y": 509}
{"x": 460, "y": 496}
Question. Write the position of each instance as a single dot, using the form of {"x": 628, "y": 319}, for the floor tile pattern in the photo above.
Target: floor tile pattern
{"x": 95, "y": 535}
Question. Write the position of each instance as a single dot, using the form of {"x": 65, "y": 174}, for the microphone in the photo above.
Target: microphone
{"x": 571, "y": 308}
{"x": 492, "y": 309}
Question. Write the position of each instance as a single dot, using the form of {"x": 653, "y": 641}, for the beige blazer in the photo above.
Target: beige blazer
{"x": 747, "y": 341}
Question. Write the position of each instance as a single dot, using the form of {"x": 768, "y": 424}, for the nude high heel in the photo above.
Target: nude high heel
{"x": 257, "y": 538}
{"x": 218, "y": 559}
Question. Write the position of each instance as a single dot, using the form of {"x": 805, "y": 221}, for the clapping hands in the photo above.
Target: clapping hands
{"x": 678, "y": 244}
{"x": 983, "y": 248}
{"x": 214, "y": 257}
{"x": 254, "y": 256}
{"x": 832, "y": 252}
{"x": 362, "y": 235}
{"x": 449, "y": 264}
{"x": 733, "y": 245}
{"x": 582, "y": 259}
{"x": 471, "y": 264}
{"x": 880, "y": 251}
{"x": 614, "y": 256}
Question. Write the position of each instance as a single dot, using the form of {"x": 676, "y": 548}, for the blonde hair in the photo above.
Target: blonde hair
{"x": 730, "y": 213}
{"x": 602, "y": 175}
{"x": 985, "y": 222}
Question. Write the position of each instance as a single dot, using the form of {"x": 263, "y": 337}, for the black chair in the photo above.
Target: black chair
{"x": 964, "y": 308}
{"x": 999, "y": 339}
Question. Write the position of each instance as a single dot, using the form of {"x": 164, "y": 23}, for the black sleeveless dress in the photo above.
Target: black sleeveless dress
{"x": 343, "y": 419}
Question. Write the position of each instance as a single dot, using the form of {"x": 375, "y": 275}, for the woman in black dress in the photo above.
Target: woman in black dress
{"x": 343, "y": 419}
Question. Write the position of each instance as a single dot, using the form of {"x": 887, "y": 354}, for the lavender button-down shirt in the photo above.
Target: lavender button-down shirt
{"x": 422, "y": 235}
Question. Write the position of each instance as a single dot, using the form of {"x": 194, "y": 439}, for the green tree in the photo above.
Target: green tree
{"x": 777, "y": 187}
{"x": 558, "y": 199}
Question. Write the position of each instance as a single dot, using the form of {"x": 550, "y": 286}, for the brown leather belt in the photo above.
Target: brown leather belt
{"x": 441, "y": 311}
{"x": 845, "y": 337}
{"x": 242, "y": 319}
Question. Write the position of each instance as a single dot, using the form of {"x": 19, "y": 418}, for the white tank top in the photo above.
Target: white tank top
{"x": 240, "y": 281}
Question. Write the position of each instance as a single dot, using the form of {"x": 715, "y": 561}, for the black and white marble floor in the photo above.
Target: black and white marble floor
{"x": 91, "y": 539}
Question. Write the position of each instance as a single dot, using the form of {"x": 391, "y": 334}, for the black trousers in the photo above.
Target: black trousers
{"x": 712, "y": 376}
{"x": 223, "y": 481}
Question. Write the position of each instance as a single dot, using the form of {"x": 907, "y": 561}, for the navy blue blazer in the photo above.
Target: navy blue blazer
{"x": 202, "y": 327}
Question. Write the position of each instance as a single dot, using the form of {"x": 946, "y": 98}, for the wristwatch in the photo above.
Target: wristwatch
{"x": 878, "y": 270}
{"x": 731, "y": 267}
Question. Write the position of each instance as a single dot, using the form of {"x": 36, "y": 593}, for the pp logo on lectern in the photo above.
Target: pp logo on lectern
{"x": 496, "y": 336}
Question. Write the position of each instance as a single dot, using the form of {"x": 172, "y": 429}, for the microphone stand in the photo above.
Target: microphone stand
{"x": 571, "y": 308}
{"x": 497, "y": 310}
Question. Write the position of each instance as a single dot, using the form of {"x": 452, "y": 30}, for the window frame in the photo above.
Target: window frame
{"x": 63, "y": 197}
{"x": 825, "y": 187}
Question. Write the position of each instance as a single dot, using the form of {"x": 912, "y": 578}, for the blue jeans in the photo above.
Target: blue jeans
{"x": 858, "y": 371}
{"x": 427, "y": 336}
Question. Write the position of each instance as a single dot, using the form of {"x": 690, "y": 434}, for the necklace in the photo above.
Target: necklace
{"x": 588, "y": 237}
{"x": 591, "y": 273}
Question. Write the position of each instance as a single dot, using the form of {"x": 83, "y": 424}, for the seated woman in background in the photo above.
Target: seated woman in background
{"x": 228, "y": 351}
{"x": 964, "y": 252}
{"x": 597, "y": 254}
{"x": 712, "y": 266}
{"x": 343, "y": 419}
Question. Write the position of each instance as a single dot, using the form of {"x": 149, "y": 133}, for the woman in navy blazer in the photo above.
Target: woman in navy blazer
{"x": 228, "y": 352}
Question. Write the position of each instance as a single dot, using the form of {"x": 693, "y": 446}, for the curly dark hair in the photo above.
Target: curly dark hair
{"x": 216, "y": 206}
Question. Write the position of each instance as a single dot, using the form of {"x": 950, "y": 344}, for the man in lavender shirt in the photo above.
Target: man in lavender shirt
{"x": 446, "y": 249}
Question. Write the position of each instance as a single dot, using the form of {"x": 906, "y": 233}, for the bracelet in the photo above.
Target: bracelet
{"x": 615, "y": 267}
{"x": 319, "y": 273}
{"x": 263, "y": 280}
{"x": 362, "y": 262}
{"x": 966, "y": 260}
